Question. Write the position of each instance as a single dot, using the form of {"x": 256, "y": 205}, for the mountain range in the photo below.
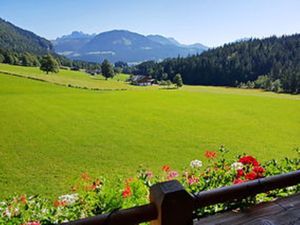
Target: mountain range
{"x": 122, "y": 45}
{"x": 115, "y": 45}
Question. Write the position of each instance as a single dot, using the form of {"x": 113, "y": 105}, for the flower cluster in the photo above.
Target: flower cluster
{"x": 166, "y": 168}
{"x": 238, "y": 166}
{"x": 196, "y": 163}
{"x": 210, "y": 154}
{"x": 247, "y": 168}
{"x": 127, "y": 190}
{"x": 170, "y": 174}
{"x": 69, "y": 199}
{"x": 95, "y": 196}
{"x": 32, "y": 223}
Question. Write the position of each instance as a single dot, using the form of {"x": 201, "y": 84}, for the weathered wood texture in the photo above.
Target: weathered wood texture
{"x": 284, "y": 211}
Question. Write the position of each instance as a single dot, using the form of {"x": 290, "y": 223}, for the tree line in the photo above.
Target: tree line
{"x": 31, "y": 59}
{"x": 272, "y": 63}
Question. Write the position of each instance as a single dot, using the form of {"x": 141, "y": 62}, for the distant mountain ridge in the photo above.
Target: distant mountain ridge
{"x": 71, "y": 43}
{"x": 115, "y": 45}
{"x": 122, "y": 45}
{"x": 77, "y": 35}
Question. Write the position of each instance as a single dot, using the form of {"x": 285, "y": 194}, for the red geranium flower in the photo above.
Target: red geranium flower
{"x": 250, "y": 171}
{"x": 238, "y": 181}
{"x": 239, "y": 173}
{"x": 166, "y": 168}
{"x": 251, "y": 176}
{"x": 58, "y": 203}
{"x": 210, "y": 154}
{"x": 259, "y": 171}
{"x": 249, "y": 160}
{"x": 127, "y": 192}
{"x": 23, "y": 199}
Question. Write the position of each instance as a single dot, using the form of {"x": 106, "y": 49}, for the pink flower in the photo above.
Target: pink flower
{"x": 149, "y": 174}
{"x": 193, "y": 180}
{"x": 172, "y": 174}
{"x": 33, "y": 223}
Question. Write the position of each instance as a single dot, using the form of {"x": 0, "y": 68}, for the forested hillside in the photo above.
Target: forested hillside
{"x": 22, "y": 47}
{"x": 235, "y": 63}
{"x": 18, "y": 46}
{"x": 18, "y": 40}
{"x": 15, "y": 39}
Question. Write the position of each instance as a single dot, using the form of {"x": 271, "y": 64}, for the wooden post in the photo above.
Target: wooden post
{"x": 174, "y": 204}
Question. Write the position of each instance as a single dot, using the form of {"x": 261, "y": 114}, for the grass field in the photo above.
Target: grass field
{"x": 51, "y": 133}
{"x": 68, "y": 77}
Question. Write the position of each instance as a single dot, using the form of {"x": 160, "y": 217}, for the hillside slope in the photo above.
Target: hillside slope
{"x": 13, "y": 38}
{"x": 276, "y": 57}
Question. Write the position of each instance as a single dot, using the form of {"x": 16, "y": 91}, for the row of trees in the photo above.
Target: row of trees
{"x": 24, "y": 59}
{"x": 30, "y": 59}
{"x": 236, "y": 63}
{"x": 50, "y": 63}
{"x": 263, "y": 82}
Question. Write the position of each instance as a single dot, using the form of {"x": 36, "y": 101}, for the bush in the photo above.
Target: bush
{"x": 96, "y": 196}
{"x": 263, "y": 82}
{"x": 277, "y": 86}
{"x": 2, "y": 58}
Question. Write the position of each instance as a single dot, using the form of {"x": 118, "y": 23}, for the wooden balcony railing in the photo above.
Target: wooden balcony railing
{"x": 171, "y": 204}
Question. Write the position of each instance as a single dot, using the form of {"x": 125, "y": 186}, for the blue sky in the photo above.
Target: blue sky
{"x": 211, "y": 22}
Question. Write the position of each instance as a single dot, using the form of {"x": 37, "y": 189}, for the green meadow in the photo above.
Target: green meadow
{"x": 50, "y": 134}
{"x": 68, "y": 77}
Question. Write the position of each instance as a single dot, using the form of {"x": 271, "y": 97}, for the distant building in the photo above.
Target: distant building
{"x": 93, "y": 72}
{"x": 75, "y": 68}
{"x": 142, "y": 80}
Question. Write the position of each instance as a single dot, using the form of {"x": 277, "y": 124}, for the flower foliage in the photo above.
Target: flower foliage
{"x": 90, "y": 196}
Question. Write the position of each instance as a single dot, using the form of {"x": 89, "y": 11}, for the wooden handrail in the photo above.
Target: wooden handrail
{"x": 172, "y": 205}
{"x": 129, "y": 216}
{"x": 243, "y": 190}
